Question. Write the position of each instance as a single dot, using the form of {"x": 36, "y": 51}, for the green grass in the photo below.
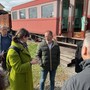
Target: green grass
{"x": 35, "y": 68}
{"x": 32, "y": 48}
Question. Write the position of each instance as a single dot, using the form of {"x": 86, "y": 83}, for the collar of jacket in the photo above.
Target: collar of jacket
{"x": 20, "y": 46}
{"x": 84, "y": 64}
{"x": 23, "y": 43}
{"x": 53, "y": 43}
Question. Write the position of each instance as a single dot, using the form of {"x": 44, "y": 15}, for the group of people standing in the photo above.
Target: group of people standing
{"x": 19, "y": 61}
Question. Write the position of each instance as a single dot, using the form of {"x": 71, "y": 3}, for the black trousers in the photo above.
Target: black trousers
{"x": 78, "y": 68}
{"x": 4, "y": 62}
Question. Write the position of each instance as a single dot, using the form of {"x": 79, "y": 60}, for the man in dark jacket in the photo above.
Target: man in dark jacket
{"x": 81, "y": 81}
{"x": 49, "y": 54}
{"x": 78, "y": 57}
{"x": 5, "y": 42}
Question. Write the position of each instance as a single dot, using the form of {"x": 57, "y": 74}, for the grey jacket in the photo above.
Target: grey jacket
{"x": 50, "y": 59}
{"x": 80, "y": 81}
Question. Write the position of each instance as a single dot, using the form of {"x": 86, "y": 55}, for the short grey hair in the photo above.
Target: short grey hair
{"x": 87, "y": 33}
{"x": 87, "y": 43}
{"x": 4, "y": 27}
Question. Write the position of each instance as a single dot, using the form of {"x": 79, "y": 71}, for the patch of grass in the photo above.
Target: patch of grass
{"x": 35, "y": 68}
{"x": 32, "y": 46}
{"x": 36, "y": 75}
{"x": 61, "y": 75}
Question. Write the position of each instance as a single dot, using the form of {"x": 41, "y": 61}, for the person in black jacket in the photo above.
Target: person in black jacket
{"x": 81, "y": 81}
{"x": 78, "y": 57}
{"x": 49, "y": 54}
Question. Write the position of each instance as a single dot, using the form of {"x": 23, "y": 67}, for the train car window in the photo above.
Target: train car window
{"x": 33, "y": 12}
{"x": 14, "y": 15}
{"x": 22, "y": 14}
{"x": 47, "y": 11}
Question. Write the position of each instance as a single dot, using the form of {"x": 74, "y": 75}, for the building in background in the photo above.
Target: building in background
{"x": 5, "y": 19}
{"x": 1, "y": 7}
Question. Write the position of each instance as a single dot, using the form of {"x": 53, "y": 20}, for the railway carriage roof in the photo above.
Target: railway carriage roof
{"x": 32, "y": 3}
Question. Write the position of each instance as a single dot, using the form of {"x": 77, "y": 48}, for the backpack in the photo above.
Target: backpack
{"x": 18, "y": 51}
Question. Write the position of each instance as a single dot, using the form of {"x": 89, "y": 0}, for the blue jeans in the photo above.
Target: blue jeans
{"x": 44, "y": 76}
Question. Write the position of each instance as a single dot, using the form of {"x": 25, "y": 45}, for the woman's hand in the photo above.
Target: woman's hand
{"x": 34, "y": 61}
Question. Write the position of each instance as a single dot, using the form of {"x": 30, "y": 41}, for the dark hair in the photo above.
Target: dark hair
{"x": 22, "y": 32}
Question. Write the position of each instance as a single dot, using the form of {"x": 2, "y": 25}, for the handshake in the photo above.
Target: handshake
{"x": 35, "y": 60}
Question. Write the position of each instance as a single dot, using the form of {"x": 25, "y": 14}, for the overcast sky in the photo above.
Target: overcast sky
{"x": 8, "y": 4}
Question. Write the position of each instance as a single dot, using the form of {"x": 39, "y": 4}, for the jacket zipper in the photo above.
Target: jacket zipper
{"x": 50, "y": 61}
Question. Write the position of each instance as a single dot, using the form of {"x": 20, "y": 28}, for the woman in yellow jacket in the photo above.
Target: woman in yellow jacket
{"x": 19, "y": 64}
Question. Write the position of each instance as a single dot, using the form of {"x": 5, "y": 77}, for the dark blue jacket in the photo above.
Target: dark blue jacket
{"x": 5, "y": 42}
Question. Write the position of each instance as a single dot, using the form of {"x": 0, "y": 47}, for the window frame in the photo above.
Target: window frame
{"x": 20, "y": 11}
{"x": 14, "y": 17}
{"x": 48, "y": 16}
{"x": 32, "y": 11}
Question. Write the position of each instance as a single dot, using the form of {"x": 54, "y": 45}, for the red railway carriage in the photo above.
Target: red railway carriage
{"x": 36, "y": 16}
{"x": 66, "y": 18}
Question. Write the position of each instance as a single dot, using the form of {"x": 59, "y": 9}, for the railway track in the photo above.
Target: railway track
{"x": 67, "y": 54}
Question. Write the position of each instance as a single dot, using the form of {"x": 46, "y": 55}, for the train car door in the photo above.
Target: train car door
{"x": 78, "y": 15}
{"x": 65, "y": 13}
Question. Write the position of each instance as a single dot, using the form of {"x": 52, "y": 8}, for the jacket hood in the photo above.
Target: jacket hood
{"x": 85, "y": 63}
{"x": 20, "y": 46}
